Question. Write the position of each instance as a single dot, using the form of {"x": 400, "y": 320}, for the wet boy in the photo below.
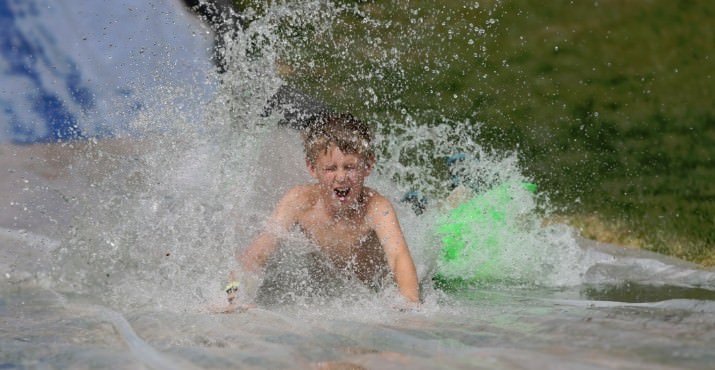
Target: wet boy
{"x": 355, "y": 227}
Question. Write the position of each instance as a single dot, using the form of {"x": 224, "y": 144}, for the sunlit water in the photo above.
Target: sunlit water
{"x": 130, "y": 279}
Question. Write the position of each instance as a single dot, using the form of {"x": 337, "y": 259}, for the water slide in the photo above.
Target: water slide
{"x": 110, "y": 252}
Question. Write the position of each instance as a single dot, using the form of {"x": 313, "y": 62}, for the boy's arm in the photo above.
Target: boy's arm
{"x": 255, "y": 256}
{"x": 387, "y": 227}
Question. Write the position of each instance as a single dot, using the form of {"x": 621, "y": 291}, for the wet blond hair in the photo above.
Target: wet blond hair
{"x": 349, "y": 134}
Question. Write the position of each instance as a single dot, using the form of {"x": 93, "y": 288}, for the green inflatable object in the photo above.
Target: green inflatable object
{"x": 472, "y": 236}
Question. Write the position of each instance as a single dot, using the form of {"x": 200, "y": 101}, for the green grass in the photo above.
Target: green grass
{"x": 611, "y": 104}
{"x": 617, "y": 111}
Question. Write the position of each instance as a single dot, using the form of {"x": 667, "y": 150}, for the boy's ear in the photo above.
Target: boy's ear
{"x": 369, "y": 164}
{"x": 311, "y": 168}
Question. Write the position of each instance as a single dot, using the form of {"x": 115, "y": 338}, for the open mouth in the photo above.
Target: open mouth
{"x": 341, "y": 193}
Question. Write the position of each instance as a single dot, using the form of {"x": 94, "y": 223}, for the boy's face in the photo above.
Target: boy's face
{"x": 340, "y": 176}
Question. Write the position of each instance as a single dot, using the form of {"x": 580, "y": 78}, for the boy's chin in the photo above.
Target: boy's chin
{"x": 345, "y": 202}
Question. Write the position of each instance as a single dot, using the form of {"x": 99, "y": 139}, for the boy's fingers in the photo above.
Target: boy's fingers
{"x": 223, "y": 309}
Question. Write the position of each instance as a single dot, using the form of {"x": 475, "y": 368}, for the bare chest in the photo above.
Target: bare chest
{"x": 345, "y": 243}
{"x": 336, "y": 238}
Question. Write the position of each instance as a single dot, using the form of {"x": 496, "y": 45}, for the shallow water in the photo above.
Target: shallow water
{"x": 506, "y": 328}
{"x": 630, "y": 309}
{"x": 113, "y": 251}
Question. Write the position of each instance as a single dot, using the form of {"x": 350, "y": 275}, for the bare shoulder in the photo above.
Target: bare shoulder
{"x": 294, "y": 202}
{"x": 300, "y": 191}
{"x": 299, "y": 197}
{"x": 378, "y": 206}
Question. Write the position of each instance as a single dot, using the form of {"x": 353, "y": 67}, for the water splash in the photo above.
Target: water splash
{"x": 161, "y": 224}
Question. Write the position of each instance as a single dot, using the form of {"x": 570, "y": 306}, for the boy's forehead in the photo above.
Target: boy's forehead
{"x": 334, "y": 153}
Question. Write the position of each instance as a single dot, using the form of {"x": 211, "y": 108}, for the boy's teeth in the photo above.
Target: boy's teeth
{"x": 342, "y": 192}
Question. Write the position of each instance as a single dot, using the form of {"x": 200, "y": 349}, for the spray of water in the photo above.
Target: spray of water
{"x": 160, "y": 225}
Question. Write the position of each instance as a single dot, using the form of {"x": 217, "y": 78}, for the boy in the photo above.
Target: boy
{"x": 355, "y": 228}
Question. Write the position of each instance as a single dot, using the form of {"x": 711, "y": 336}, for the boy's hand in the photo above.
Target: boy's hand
{"x": 232, "y": 305}
{"x": 231, "y": 297}
{"x": 407, "y": 306}
{"x": 231, "y": 294}
{"x": 231, "y": 308}
{"x": 231, "y": 291}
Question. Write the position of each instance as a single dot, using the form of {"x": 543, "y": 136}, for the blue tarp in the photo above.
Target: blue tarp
{"x": 74, "y": 69}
